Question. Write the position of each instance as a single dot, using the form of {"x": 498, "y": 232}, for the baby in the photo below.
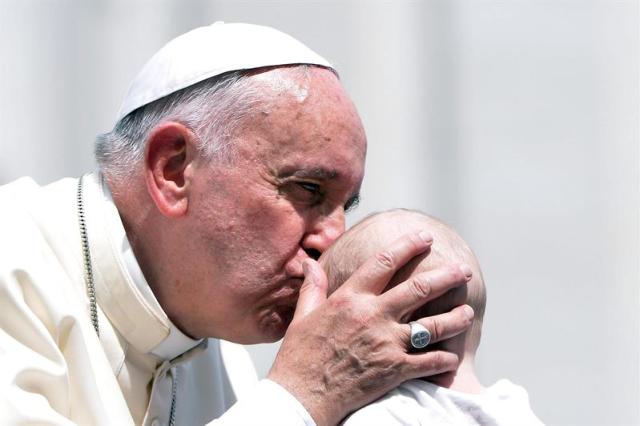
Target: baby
{"x": 453, "y": 398}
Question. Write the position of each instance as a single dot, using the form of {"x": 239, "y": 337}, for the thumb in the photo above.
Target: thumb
{"x": 313, "y": 291}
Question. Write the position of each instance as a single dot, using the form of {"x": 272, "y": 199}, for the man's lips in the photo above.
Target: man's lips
{"x": 287, "y": 296}
{"x": 282, "y": 301}
{"x": 289, "y": 288}
{"x": 286, "y": 313}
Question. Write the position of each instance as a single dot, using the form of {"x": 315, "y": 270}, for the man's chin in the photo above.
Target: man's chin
{"x": 269, "y": 327}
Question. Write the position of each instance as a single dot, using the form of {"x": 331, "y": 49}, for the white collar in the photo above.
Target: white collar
{"x": 175, "y": 342}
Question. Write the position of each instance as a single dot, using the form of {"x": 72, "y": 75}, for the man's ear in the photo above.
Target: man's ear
{"x": 169, "y": 154}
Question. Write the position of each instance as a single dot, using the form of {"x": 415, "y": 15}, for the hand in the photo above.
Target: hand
{"x": 344, "y": 351}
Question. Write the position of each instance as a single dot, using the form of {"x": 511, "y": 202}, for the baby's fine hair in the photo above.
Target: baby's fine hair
{"x": 377, "y": 231}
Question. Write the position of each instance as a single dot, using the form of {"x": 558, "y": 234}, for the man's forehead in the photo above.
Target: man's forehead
{"x": 293, "y": 80}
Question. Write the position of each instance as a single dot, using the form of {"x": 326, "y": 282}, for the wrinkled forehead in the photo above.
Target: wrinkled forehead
{"x": 304, "y": 113}
{"x": 303, "y": 87}
{"x": 294, "y": 80}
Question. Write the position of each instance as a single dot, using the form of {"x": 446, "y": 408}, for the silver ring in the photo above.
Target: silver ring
{"x": 420, "y": 336}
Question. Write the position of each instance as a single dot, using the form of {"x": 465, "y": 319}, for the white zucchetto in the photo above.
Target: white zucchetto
{"x": 206, "y": 52}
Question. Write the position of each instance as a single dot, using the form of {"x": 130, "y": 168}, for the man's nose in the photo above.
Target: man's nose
{"x": 323, "y": 232}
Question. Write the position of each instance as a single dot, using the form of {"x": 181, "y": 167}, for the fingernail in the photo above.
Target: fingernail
{"x": 426, "y": 237}
{"x": 466, "y": 270}
{"x": 305, "y": 268}
{"x": 469, "y": 311}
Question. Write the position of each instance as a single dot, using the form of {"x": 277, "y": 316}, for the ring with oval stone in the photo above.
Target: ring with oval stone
{"x": 420, "y": 336}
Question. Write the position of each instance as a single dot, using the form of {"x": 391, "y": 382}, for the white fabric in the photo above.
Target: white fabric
{"x": 176, "y": 342}
{"x": 55, "y": 370}
{"x": 210, "y": 51}
{"x": 417, "y": 402}
{"x": 271, "y": 404}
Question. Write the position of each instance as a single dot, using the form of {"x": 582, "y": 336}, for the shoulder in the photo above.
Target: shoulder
{"x": 512, "y": 402}
{"x": 404, "y": 405}
{"x": 36, "y": 247}
{"x": 27, "y": 204}
{"x": 506, "y": 390}
{"x": 34, "y": 219}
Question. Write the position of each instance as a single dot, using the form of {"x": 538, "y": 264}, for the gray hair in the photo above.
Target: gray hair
{"x": 212, "y": 109}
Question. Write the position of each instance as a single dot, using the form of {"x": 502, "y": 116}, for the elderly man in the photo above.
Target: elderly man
{"x": 233, "y": 160}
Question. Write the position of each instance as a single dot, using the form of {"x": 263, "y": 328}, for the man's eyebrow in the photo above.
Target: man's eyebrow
{"x": 320, "y": 173}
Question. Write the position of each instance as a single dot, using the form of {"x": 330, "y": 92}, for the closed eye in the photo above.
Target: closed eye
{"x": 311, "y": 187}
{"x": 306, "y": 192}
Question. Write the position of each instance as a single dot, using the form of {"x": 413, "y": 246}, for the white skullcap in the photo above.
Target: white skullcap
{"x": 210, "y": 51}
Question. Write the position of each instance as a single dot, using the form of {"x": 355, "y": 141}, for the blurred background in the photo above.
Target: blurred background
{"x": 515, "y": 121}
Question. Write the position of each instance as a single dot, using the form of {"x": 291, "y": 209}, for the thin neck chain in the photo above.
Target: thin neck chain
{"x": 91, "y": 292}
{"x": 174, "y": 390}
{"x": 86, "y": 256}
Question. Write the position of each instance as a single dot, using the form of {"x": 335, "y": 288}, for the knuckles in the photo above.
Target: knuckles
{"x": 437, "y": 331}
{"x": 421, "y": 286}
{"x": 386, "y": 260}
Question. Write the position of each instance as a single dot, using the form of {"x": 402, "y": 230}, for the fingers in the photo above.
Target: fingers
{"x": 376, "y": 272}
{"x": 430, "y": 363}
{"x": 443, "y": 326}
{"x": 313, "y": 290}
{"x": 420, "y": 288}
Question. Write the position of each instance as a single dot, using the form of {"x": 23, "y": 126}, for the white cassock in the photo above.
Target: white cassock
{"x": 55, "y": 369}
{"x": 418, "y": 403}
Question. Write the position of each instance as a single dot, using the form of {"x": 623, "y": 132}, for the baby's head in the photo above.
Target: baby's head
{"x": 378, "y": 231}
